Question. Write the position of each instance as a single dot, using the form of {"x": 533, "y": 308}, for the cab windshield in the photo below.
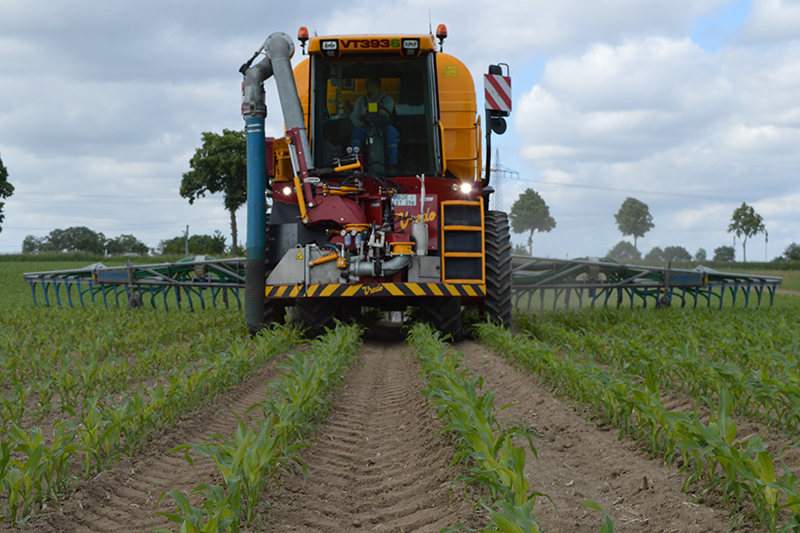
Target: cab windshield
{"x": 379, "y": 107}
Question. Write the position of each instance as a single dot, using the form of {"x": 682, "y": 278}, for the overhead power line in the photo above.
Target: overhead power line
{"x": 658, "y": 193}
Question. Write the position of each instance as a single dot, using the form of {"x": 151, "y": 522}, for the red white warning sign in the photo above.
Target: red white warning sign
{"x": 498, "y": 92}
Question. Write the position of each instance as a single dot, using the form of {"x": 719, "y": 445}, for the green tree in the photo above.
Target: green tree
{"x": 531, "y": 213}
{"x": 219, "y": 165}
{"x": 6, "y": 190}
{"x": 792, "y": 252}
{"x": 126, "y": 244}
{"x": 634, "y": 218}
{"x": 725, "y": 253}
{"x": 655, "y": 254}
{"x": 676, "y": 253}
{"x": 746, "y": 223}
{"x": 76, "y": 238}
{"x": 32, "y": 244}
{"x": 198, "y": 245}
{"x": 700, "y": 254}
{"x": 520, "y": 250}
{"x": 624, "y": 251}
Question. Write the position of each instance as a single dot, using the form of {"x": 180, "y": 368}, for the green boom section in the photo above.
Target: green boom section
{"x": 541, "y": 283}
{"x": 203, "y": 280}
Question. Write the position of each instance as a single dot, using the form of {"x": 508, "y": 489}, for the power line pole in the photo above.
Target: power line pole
{"x": 499, "y": 175}
{"x": 498, "y": 183}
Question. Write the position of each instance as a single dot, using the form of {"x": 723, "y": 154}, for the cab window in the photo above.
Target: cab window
{"x": 348, "y": 112}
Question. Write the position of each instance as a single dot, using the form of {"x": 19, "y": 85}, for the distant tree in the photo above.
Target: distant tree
{"x": 126, "y": 244}
{"x": 173, "y": 246}
{"x": 219, "y": 165}
{"x": 700, "y": 255}
{"x": 676, "y": 253}
{"x": 746, "y": 223}
{"x": 208, "y": 244}
{"x": 655, "y": 254}
{"x": 792, "y": 252}
{"x": 531, "y": 213}
{"x": 520, "y": 250}
{"x": 634, "y": 218}
{"x": 198, "y": 245}
{"x": 724, "y": 253}
{"x": 624, "y": 251}
{"x": 76, "y": 238}
{"x": 6, "y": 190}
{"x": 32, "y": 244}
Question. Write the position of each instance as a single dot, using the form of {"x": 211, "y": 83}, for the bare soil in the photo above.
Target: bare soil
{"x": 579, "y": 459}
{"x": 380, "y": 463}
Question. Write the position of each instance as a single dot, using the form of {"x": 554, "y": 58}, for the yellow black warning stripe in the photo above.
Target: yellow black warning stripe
{"x": 327, "y": 290}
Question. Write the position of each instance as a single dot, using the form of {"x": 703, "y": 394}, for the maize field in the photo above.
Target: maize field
{"x": 592, "y": 420}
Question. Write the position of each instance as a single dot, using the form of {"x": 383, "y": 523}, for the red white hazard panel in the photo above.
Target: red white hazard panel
{"x": 498, "y": 92}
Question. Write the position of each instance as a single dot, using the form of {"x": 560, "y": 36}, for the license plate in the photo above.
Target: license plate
{"x": 405, "y": 200}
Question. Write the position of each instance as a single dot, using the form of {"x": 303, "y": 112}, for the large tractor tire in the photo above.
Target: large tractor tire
{"x": 498, "y": 268}
{"x": 444, "y": 314}
{"x": 315, "y": 314}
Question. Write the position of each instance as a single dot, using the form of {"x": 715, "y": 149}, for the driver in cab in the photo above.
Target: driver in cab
{"x": 374, "y": 110}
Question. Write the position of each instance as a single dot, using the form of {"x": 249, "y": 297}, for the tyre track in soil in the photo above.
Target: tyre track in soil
{"x": 579, "y": 460}
{"x": 379, "y": 463}
{"x": 123, "y": 499}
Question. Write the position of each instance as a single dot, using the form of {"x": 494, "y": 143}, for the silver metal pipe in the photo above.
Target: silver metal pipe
{"x": 280, "y": 50}
{"x": 253, "y": 105}
{"x": 395, "y": 265}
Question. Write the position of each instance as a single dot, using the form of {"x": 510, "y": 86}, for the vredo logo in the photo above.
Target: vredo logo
{"x": 372, "y": 290}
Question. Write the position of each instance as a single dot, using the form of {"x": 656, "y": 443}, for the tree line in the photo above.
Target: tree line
{"x": 83, "y": 239}
{"x": 6, "y": 190}
{"x": 530, "y": 214}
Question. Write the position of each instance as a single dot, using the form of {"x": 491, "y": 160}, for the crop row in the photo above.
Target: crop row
{"x": 34, "y": 469}
{"x": 707, "y": 451}
{"x": 484, "y": 445}
{"x": 251, "y": 459}
{"x": 34, "y": 343}
{"x": 696, "y": 356}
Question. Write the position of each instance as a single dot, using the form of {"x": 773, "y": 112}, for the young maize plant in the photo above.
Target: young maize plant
{"x": 113, "y": 426}
{"x": 710, "y": 451}
{"x": 754, "y": 356}
{"x": 251, "y": 460}
{"x": 485, "y": 446}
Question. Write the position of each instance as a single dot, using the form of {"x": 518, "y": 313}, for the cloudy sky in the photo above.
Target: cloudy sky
{"x": 691, "y": 106}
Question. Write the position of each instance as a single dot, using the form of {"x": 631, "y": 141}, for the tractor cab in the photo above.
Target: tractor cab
{"x": 375, "y": 98}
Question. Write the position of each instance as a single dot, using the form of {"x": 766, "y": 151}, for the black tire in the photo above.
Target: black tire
{"x": 444, "y": 314}
{"x": 347, "y": 313}
{"x": 273, "y": 314}
{"x": 498, "y": 268}
{"x": 315, "y": 314}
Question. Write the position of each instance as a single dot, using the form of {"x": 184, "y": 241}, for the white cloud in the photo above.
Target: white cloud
{"x": 771, "y": 21}
{"x": 105, "y": 101}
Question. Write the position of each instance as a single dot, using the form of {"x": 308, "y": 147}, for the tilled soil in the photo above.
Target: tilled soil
{"x": 380, "y": 463}
{"x": 581, "y": 460}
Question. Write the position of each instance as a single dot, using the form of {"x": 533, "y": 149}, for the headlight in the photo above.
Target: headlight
{"x": 466, "y": 188}
{"x": 287, "y": 191}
